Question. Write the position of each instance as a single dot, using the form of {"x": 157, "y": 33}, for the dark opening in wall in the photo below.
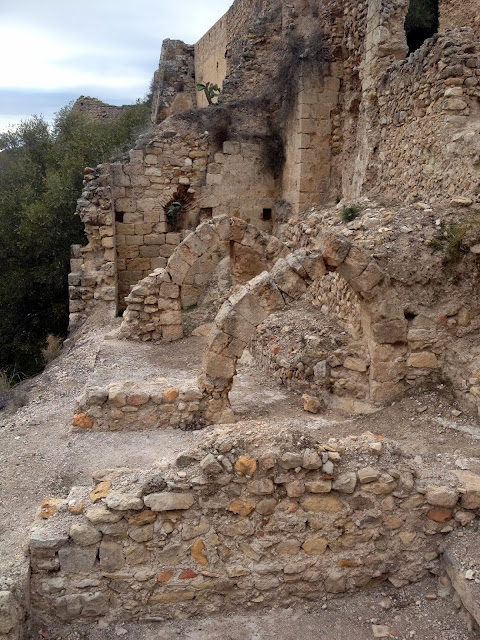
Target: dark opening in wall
{"x": 206, "y": 213}
{"x": 421, "y": 22}
{"x": 267, "y": 214}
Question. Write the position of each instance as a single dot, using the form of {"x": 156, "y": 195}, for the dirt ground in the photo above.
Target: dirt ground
{"x": 40, "y": 457}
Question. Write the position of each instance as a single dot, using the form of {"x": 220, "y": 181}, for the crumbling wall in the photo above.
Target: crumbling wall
{"x": 169, "y": 167}
{"x": 96, "y": 110}
{"x": 174, "y": 81}
{"x": 428, "y": 135}
{"x": 455, "y": 15}
{"x": 155, "y": 303}
{"x": 93, "y": 277}
{"x": 242, "y": 521}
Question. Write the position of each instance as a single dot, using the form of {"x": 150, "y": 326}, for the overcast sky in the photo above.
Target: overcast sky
{"x": 53, "y": 51}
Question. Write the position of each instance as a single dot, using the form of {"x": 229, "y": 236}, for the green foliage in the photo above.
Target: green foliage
{"x": 172, "y": 214}
{"x": 455, "y": 238}
{"x": 210, "y": 90}
{"x": 347, "y": 214}
{"x": 41, "y": 173}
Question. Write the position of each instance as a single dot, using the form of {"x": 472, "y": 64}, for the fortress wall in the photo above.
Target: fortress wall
{"x": 173, "y": 81}
{"x": 210, "y": 57}
{"x": 454, "y": 14}
{"x": 428, "y": 134}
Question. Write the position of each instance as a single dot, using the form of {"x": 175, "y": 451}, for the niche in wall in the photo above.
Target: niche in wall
{"x": 421, "y": 22}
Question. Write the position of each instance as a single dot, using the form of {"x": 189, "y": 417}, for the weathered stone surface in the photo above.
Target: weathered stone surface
{"x": 123, "y": 501}
{"x": 311, "y": 404}
{"x": 210, "y": 465}
{"x": 345, "y": 482}
{"x": 441, "y": 496}
{"x": 197, "y": 552}
{"x": 335, "y": 582}
{"x": 318, "y": 486}
{"x": 142, "y": 518}
{"x": 169, "y": 501}
{"x": 77, "y": 559}
{"x": 327, "y": 504}
{"x": 246, "y": 465}
{"x": 241, "y": 507}
{"x": 368, "y": 474}
{"x": 100, "y": 491}
{"x": 101, "y": 514}
{"x": 315, "y": 546}
{"x": 49, "y": 506}
{"x": 261, "y": 487}
{"x": 471, "y": 485}
{"x": 424, "y": 360}
{"x": 439, "y": 515}
{"x": 112, "y": 557}
{"x": 82, "y": 420}
{"x": 84, "y": 534}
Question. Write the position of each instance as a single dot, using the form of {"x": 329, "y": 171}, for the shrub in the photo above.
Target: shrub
{"x": 349, "y": 213}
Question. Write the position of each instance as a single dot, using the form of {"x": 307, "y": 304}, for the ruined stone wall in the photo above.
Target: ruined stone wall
{"x": 454, "y": 15}
{"x": 240, "y": 521}
{"x": 173, "y": 81}
{"x": 96, "y": 110}
{"x": 170, "y": 167}
{"x": 239, "y": 184}
{"x": 429, "y": 123}
{"x": 93, "y": 276}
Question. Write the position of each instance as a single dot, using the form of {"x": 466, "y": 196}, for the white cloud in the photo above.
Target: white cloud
{"x": 109, "y": 49}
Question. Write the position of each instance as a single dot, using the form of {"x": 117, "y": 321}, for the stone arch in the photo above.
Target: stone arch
{"x": 384, "y": 323}
{"x": 155, "y": 303}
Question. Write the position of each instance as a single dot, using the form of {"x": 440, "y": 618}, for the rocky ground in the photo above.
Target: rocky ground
{"x": 40, "y": 457}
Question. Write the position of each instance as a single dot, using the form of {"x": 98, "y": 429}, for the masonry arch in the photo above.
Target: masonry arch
{"x": 155, "y": 303}
{"x": 238, "y": 318}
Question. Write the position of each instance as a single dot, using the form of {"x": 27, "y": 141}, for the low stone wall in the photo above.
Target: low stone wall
{"x": 125, "y": 406}
{"x": 237, "y": 522}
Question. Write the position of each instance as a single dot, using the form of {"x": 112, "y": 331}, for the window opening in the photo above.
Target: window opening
{"x": 421, "y": 22}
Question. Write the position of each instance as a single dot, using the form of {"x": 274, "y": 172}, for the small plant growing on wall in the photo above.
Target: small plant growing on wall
{"x": 348, "y": 214}
{"x": 210, "y": 90}
{"x": 172, "y": 214}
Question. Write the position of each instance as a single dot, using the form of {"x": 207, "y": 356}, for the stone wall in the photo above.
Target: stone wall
{"x": 239, "y": 184}
{"x": 93, "y": 277}
{"x": 169, "y": 167}
{"x": 241, "y": 522}
{"x": 428, "y": 135}
{"x": 126, "y": 406}
{"x": 210, "y": 58}
{"x": 174, "y": 81}
{"x": 96, "y": 110}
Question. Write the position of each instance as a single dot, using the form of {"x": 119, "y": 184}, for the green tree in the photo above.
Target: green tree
{"x": 41, "y": 173}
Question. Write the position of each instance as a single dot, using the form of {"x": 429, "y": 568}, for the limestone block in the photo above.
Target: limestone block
{"x": 124, "y": 500}
{"x": 75, "y": 559}
{"x": 172, "y": 332}
{"x": 84, "y": 534}
{"x": 353, "y": 265}
{"x": 169, "y": 501}
{"x": 219, "y": 366}
{"x": 423, "y": 360}
{"x": 470, "y": 483}
{"x": 112, "y": 556}
{"x": 334, "y": 248}
{"x": 125, "y": 205}
{"x": 368, "y": 279}
{"x": 345, "y": 482}
{"x": 247, "y": 305}
{"x": 390, "y": 331}
{"x": 232, "y": 324}
{"x": 441, "y": 496}
{"x": 287, "y": 280}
